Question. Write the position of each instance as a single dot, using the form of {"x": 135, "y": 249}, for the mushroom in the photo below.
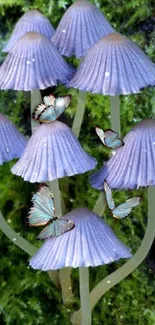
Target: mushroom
{"x": 113, "y": 66}
{"x": 34, "y": 63}
{"x": 133, "y": 165}
{"x": 81, "y": 26}
{"x": 31, "y": 21}
{"x": 90, "y": 243}
{"x": 52, "y": 152}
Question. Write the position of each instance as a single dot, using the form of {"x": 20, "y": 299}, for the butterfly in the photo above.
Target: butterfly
{"x": 109, "y": 138}
{"x": 43, "y": 213}
{"x": 123, "y": 209}
{"x": 51, "y": 108}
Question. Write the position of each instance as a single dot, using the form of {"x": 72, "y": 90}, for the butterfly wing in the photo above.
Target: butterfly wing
{"x": 60, "y": 104}
{"x": 115, "y": 143}
{"x": 49, "y": 100}
{"x": 56, "y": 228}
{"x": 100, "y": 134}
{"x": 48, "y": 115}
{"x": 110, "y": 136}
{"x": 125, "y": 208}
{"x": 109, "y": 198}
{"x": 43, "y": 208}
{"x": 39, "y": 109}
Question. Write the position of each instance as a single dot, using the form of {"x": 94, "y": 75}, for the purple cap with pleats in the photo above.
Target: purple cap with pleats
{"x": 133, "y": 165}
{"x": 81, "y": 26}
{"x": 91, "y": 243}
{"x": 31, "y": 21}
{"x": 53, "y": 152}
{"x": 113, "y": 66}
{"x": 34, "y": 63}
{"x": 12, "y": 142}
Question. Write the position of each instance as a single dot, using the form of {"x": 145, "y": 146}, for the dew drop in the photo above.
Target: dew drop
{"x": 7, "y": 149}
{"x": 14, "y": 239}
{"x": 107, "y": 74}
{"x": 28, "y": 62}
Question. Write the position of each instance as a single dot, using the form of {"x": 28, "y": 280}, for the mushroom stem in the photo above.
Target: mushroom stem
{"x": 115, "y": 113}
{"x": 100, "y": 204}
{"x": 64, "y": 273}
{"x": 111, "y": 280}
{"x": 84, "y": 296}
{"x": 35, "y": 101}
{"x": 15, "y": 238}
{"x": 78, "y": 118}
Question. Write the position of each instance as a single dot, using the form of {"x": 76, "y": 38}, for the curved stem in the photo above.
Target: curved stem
{"x": 25, "y": 246}
{"x": 78, "y": 118}
{"x": 15, "y": 238}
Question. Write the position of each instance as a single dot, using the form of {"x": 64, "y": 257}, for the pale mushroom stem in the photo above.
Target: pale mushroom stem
{"x": 78, "y": 118}
{"x": 84, "y": 271}
{"x": 35, "y": 101}
{"x": 115, "y": 113}
{"x": 84, "y": 296}
{"x": 64, "y": 273}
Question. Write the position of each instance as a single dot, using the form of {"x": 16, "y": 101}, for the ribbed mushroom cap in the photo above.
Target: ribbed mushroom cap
{"x": 80, "y": 27}
{"x": 53, "y": 152}
{"x": 12, "y": 142}
{"x": 114, "y": 65}
{"x": 34, "y": 63}
{"x": 31, "y": 21}
{"x": 91, "y": 243}
{"x": 133, "y": 165}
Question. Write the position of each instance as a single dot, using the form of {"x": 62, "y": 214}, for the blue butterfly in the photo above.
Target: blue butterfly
{"x": 109, "y": 138}
{"x": 51, "y": 108}
{"x": 123, "y": 209}
{"x": 43, "y": 213}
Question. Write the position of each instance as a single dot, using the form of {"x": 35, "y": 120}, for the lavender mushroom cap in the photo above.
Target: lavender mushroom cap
{"x": 91, "y": 243}
{"x": 133, "y": 165}
{"x": 34, "y": 63}
{"x": 81, "y": 26}
{"x": 12, "y": 142}
{"x": 52, "y": 152}
{"x": 113, "y": 66}
{"x": 31, "y": 21}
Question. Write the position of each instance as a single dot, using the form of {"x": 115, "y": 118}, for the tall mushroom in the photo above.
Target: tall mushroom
{"x": 90, "y": 243}
{"x": 80, "y": 27}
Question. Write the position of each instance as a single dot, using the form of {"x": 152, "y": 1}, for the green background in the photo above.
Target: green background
{"x": 28, "y": 297}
